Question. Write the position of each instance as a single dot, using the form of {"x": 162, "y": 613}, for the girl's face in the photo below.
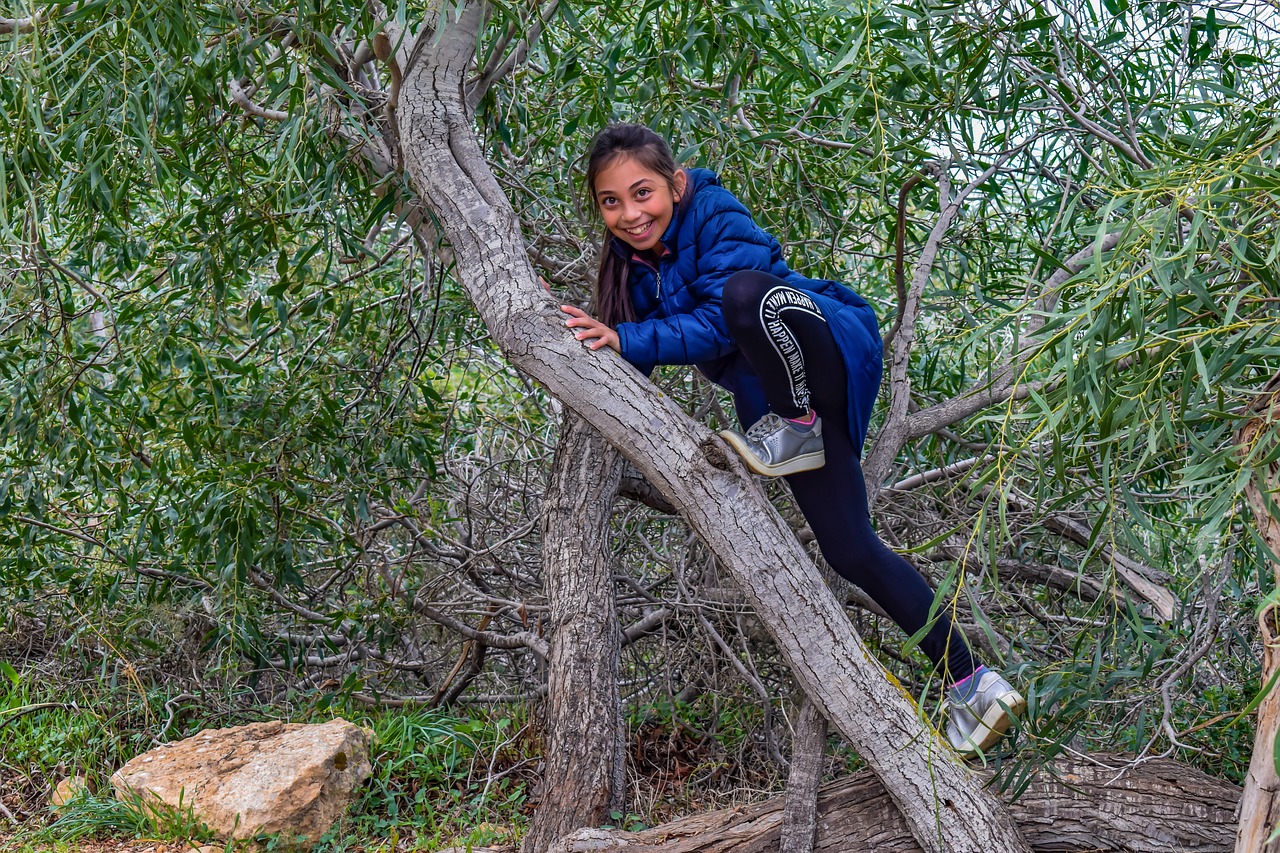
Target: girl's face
{"x": 637, "y": 204}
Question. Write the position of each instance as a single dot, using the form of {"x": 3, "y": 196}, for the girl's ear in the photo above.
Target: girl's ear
{"x": 681, "y": 182}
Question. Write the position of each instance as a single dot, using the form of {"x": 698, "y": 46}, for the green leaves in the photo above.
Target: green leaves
{"x": 224, "y": 361}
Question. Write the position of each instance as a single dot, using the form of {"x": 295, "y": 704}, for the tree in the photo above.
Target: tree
{"x": 1100, "y": 231}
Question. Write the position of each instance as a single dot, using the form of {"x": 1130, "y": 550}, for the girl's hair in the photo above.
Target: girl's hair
{"x": 613, "y": 298}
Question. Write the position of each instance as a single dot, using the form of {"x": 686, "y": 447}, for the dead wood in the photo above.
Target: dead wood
{"x": 1157, "y": 807}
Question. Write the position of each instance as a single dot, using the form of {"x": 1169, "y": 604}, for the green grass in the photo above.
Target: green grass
{"x": 433, "y": 781}
{"x": 88, "y": 816}
{"x": 438, "y": 779}
{"x": 28, "y": 845}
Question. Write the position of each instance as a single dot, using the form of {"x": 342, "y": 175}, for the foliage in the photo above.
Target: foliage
{"x": 247, "y": 414}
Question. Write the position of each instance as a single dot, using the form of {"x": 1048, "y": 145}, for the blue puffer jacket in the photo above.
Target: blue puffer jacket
{"x": 712, "y": 236}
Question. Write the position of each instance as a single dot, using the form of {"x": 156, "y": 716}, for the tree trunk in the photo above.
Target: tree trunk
{"x": 808, "y": 752}
{"x": 1260, "y": 803}
{"x": 584, "y": 760}
{"x": 1157, "y": 807}
{"x": 800, "y": 812}
{"x": 940, "y": 798}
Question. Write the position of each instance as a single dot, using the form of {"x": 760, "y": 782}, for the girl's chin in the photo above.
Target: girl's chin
{"x": 645, "y": 242}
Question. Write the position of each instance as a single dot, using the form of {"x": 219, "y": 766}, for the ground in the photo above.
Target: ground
{"x": 105, "y": 846}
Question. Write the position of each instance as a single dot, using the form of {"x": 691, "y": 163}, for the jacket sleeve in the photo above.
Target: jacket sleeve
{"x": 727, "y": 241}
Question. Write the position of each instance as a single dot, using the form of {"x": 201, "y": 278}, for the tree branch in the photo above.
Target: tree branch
{"x": 238, "y": 95}
{"x": 27, "y": 25}
{"x": 892, "y": 434}
{"x": 1140, "y": 578}
{"x": 900, "y": 245}
{"x": 497, "y": 67}
{"x": 917, "y": 480}
{"x": 518, "y": 640}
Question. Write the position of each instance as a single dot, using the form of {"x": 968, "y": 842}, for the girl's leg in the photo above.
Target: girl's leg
{"x": 784, "y": 336}
{"x": 834, "y": 502}
{"x": 765, "y": 316}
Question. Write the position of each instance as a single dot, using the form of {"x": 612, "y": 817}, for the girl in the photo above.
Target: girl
{"x": 687, "y": 277}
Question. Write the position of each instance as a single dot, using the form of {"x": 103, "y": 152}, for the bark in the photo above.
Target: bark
{"x": 584, "y": 760}
{"x": 1260, "y": 803}
{"x": 940, "y": 798}
{"x": 808, "y": 754}
{"x": 800, "y": 813}
{"x": 1156, "y": 807}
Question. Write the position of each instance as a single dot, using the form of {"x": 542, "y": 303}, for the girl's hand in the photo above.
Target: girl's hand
{"x": 590, "y": 331}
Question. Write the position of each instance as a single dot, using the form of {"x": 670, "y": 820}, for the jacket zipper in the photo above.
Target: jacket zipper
{"x": 657, "y": 273}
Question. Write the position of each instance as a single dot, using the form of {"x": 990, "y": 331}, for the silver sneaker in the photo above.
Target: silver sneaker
{"x": 973, "y": 726}
{"x": 774, "y": 447}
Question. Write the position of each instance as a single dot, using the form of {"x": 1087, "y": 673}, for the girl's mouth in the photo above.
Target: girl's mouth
{"x": 640, "y": 230}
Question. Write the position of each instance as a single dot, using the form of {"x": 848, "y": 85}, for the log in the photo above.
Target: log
{"x": 1156, "y": 807}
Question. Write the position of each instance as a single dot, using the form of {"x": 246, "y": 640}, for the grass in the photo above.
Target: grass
{"x": 441, "y": 780}
{"x": 438, "y": 779}
{"x": 88, "y": 816}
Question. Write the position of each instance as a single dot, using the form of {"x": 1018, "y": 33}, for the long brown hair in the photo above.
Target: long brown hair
{"x": 613, "y": 299}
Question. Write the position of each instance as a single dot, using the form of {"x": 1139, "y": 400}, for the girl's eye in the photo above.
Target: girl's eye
{"x": 642, "y": 192}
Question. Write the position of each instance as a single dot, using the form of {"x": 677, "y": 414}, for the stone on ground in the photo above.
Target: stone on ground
{"x": 290, "y": 778}
{"x": 67, "y": 790}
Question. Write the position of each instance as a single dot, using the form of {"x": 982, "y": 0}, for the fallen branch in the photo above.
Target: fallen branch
{"x": 1157, "y": 806}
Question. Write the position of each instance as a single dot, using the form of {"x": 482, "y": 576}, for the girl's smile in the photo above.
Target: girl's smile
{"x": 636, "y": 203}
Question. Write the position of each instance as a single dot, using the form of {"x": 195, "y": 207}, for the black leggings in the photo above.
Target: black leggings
{"x": 783, "y": 335}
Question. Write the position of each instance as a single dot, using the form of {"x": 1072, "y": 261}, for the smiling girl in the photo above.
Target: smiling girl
{"x": 687, "y": 277}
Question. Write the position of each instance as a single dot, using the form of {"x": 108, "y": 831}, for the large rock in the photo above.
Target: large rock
{"x": 290, "y": 778}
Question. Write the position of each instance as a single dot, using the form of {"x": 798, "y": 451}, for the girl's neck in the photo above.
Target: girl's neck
{"x": 652, "y": 256}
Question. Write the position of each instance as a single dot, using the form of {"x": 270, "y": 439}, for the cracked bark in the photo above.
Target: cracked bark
{"x": 940, "y": 799}
{"x": 800, "y": 812}
{"x": 582, "y": 778}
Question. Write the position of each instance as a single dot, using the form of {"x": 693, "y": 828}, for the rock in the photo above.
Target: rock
{"x": 289, "y": 778}
{"x": 67, "y": 790}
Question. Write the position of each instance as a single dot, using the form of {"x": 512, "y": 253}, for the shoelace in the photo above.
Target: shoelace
{"x": 764, "y": 427}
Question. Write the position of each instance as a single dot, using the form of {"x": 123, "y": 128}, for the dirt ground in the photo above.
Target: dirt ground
{"x": 120, "y": 845}
{"x": 123, "y": 846}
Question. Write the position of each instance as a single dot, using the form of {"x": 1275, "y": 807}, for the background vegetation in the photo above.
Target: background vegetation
{"x": 258, "y": 458}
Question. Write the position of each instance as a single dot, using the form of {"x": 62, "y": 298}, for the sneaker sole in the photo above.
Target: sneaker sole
{"x": 794, "y": 465}
{"x": 996, "y": 722}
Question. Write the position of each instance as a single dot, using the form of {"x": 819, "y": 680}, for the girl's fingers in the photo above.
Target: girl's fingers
{"x": 591, "y": 332}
